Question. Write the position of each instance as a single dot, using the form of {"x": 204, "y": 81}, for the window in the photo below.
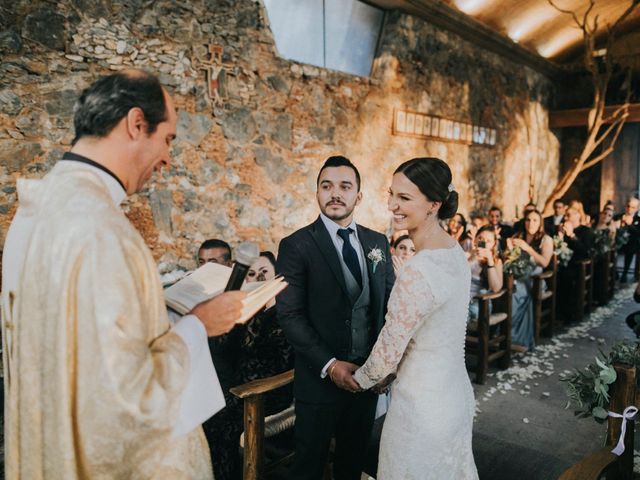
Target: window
{"x": 336, "y": 34}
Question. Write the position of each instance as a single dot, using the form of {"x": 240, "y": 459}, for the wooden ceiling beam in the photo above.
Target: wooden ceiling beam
{"x": 578, "y": 117}
{"x": 473, "y": 31}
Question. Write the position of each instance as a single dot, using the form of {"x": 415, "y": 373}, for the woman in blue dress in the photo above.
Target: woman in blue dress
{"x": 536, "y": 244}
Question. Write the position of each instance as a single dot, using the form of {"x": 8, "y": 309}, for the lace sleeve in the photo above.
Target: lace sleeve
{"x": 411, "y": 300}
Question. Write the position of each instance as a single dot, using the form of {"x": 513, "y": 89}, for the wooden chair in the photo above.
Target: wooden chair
{"x": 611, "y": 286}
{"x": 544, "y": 300}
{"x": 479, "y": 342}
{"x": 604, "y": 277}
{"x": 593, "y": 466}
{"x": 584, "y": 290}
{"x": 256, "y": 427}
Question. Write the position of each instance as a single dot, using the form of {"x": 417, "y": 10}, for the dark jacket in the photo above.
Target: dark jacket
{"x": 315, "y": 309}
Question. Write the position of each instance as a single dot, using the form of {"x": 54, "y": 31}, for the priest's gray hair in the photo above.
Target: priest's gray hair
{"x": 102, "y": 105}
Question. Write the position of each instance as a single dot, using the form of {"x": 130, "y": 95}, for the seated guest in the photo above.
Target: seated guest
{"x": 630, "y": 220}
{"x": 486, "y": 267}
{"x": 457, "y": 228}
{"x": 606, "y": 222}
{"x": 216, "y": 251}
{"x": 552, "y": 222}
{"x": 264, "y": 350}
{"x": 476, "y": 223}
{"x": 518, "y": 227}
{"x": 536, "y": 244}
{"x": 580, "y": 240}
{"x": 258, "y": 349}
{"x": 579, "y": 237}
{"x": 585, "y": 220}
{"x": 502, "y": 230}
{"x": 401, "y": 251}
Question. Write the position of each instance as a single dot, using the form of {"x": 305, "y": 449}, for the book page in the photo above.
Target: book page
{"x": 206, "y": 282}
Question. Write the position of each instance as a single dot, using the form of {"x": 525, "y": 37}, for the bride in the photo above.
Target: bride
{"x": 427, "y": 431}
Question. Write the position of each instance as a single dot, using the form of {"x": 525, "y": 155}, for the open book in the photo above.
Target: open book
{"x": 209, "y": 280}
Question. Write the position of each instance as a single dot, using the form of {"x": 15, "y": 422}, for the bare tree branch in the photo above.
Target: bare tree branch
{"x": 601, "y": 70}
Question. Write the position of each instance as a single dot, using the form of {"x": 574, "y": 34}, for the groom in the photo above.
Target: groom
{"x": 340, "y": 275}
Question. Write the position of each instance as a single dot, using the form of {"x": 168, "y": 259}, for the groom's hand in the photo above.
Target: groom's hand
{"x": 341, "y": 373}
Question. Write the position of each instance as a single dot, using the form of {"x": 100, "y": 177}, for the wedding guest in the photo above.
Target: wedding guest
{"x": 260, "y": 350}
{"x": 518, "y": 227}
{"x": 552, "y": 222}
{"x": 502, "y": 230}
{"x": 476, "y": 223}
{"x": 631, "y": 221}
{"x": 580, "y": 240}
{"x": 457, "y": 229}
{"x": 216, "y": 251}
{"x": 579, "y": 237}
{"x": 606, "y": 222}
{"x": 537, "y": 245}
{"x": 585, "y": 220}
{"x": 486, "y": 267}
{"x": 402, "y": 250}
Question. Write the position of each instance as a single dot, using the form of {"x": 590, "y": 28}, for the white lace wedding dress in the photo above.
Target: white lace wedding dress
{"x": 427, "y": 431}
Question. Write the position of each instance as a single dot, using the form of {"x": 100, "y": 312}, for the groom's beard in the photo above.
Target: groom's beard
{"x": 337, "y": 216}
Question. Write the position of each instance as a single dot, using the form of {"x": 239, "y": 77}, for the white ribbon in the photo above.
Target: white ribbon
{"x": 628, "y": 414}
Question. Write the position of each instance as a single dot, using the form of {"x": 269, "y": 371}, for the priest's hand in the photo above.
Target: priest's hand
{"x": 341, "y": 373}
{"x": 219, "y": 314}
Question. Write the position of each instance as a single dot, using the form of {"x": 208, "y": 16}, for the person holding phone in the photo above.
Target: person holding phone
{"x": 486, "y": 267}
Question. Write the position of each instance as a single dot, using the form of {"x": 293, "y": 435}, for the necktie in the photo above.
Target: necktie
{"x": 349, "y": 255}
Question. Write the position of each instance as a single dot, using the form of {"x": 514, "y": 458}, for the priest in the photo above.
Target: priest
{"x": 98, "y": 383}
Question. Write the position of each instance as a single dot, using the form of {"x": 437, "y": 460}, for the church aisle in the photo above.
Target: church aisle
{"x": 522, "y": 429}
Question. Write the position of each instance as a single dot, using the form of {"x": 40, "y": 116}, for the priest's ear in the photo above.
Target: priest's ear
{"x": 136, "y": 123}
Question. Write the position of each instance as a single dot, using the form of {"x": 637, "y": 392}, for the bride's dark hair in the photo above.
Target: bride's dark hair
{"x": 432, "y": 176}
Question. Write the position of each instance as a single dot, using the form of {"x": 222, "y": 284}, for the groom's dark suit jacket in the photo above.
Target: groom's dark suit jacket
{"x": 315, "y": 309}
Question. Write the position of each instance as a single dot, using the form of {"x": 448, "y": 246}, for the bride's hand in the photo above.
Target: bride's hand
{"x": 383, "y": 386}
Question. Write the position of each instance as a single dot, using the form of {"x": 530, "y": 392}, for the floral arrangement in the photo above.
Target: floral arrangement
{"x": 622, "y": 237}
{"x": 601, "y": 242}
{"x": 588, "y": 389}
{"x": 517, "y": 264}
{"x": 562, "y": 251}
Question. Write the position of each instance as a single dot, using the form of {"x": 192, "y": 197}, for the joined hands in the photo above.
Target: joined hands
{"x": 341, "y": 373}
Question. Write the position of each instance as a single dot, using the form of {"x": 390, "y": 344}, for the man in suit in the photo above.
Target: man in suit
{"x": 331, "y": 313}
{"x": 214, "y": 250}
{"x": 552, "y": 222}
{"x": 502, "y": 230}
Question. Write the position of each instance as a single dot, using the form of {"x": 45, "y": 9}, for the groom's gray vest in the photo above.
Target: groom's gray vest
{"x": 360, "y": 319}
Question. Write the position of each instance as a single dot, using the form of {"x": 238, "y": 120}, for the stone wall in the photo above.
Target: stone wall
{"x": 247, "y": 155}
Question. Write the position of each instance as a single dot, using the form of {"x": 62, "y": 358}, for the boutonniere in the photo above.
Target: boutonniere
{"x": 376, "y": 256}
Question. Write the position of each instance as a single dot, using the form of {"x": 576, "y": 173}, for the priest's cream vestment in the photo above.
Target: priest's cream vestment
{"x": 95, "y": 376}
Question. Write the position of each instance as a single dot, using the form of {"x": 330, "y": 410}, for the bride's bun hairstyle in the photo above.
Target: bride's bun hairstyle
{"x": 432, "y": 176}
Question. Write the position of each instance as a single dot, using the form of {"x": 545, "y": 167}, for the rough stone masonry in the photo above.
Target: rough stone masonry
{"x": 251, "y": 141}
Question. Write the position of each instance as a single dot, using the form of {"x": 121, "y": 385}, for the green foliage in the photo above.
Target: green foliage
{"x": 622, "y": 237}
{"x": 518, "y": 264}
{"x": 588, "y": 389}
{"x": 601, "y": 242}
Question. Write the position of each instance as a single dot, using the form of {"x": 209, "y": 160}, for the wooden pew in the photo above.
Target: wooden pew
{"x": 593, "y": 466}
{"x": 584, "y": 290}
{"x": 611, "y": 287}
{"x": 253, "y": 393}
{"x": 604, "y": 277}
{"x": 479, "y": 342}
{"x": 544, "y": 300}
